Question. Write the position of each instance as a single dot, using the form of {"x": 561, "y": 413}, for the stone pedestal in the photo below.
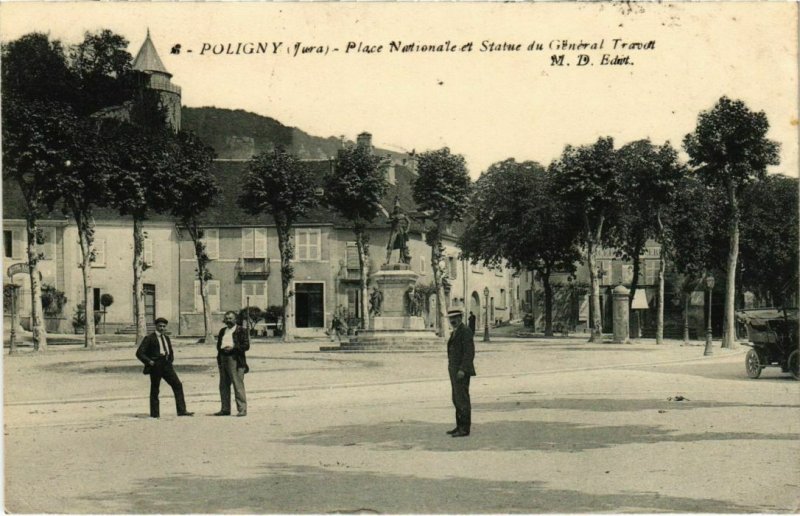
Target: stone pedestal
{"x": 393, "y": 281}
{"x": 621, "y": 320}
{"x": 393, "y": 330}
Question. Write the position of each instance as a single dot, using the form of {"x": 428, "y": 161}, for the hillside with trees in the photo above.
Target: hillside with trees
{"x": 239, "y": 134}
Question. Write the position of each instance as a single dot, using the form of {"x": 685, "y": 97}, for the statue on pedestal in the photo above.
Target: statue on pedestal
{"x": 398, "y": 235}
{"x": 412, "y": 302}
{"x": 375, "y": 302}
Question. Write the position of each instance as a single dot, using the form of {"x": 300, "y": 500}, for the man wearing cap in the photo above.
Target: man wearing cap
{"x": 155, "y": 352}
{"x": 460, "y": 355}
{"x": 232, "y": 342}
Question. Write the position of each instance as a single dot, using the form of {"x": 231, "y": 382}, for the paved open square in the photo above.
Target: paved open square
{"x": 559, "y": 425}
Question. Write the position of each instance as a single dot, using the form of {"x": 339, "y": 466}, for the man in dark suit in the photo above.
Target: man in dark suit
{"x": 460, "y": 356}
{"x": 155, "y": 352}
{"x": 232, "y": 343}
{"x": 471, "y": 322}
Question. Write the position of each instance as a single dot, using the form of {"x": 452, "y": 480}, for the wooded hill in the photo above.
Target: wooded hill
{"x": 239, "y": 134}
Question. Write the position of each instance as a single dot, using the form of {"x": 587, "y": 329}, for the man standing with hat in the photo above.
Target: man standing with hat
{"x": 460, "y": 355}
{"x": 155, "y": 352}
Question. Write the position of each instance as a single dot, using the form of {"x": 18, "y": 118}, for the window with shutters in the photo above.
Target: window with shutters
{"x": 213, "y": 296}
{"x": 96, "y": 294}
{"x": 99, "y": 253}
{"x": 452, "y": 265}
{"x": 8, "y": 243}
{"x": 211, "y": 241}
{"x": 254, "y": 242}
{"x": 352, "y": 256}
{"x": 148, "y": 251}
{"x": 254, "y": 293}
{"x": 307, "y": 242}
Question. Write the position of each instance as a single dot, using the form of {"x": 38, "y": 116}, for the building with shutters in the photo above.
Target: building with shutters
{"x": 111, "y": 270}
{"x": 245, "y": 261}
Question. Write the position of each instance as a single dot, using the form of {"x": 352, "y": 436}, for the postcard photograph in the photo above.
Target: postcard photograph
{"x": 403, "y": 258}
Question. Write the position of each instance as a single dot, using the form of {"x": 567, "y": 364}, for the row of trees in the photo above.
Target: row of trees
{"x": 550, "y": 219}
{"x": 281, "y": 185}
{"x": 82, "y": 131}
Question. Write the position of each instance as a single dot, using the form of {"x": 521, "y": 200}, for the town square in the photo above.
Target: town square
{"x": 490, "y": 258}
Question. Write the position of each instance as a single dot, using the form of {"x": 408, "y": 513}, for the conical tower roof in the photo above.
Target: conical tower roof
{"x": 147, "y": 59}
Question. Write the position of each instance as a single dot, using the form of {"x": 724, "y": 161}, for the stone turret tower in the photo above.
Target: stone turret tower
{"x": 148, "y": 62}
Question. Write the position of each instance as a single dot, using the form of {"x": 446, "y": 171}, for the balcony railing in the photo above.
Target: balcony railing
{"x": 253, "y": 268}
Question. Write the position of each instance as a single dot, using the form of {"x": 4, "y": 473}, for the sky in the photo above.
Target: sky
{"x": 489, "y": 101}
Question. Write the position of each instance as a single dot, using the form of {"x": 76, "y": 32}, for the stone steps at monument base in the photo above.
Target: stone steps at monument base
{"x": 397, "y": 346}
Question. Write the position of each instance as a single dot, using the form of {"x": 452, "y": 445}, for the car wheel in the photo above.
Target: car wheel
{"x": 794, "y": 364}
{"x": 752, "y": 363}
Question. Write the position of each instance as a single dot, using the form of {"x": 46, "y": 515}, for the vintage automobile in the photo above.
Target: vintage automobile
{"x": 772, "y": 333}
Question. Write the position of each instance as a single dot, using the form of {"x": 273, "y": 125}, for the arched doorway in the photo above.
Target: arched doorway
{"x": 475, "y": 308}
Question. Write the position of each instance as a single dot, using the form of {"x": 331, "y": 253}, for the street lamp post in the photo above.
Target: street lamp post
{"x": 14, "y": 319}
{"x": 486, "y": 317}
{"x": 710, "y": 286}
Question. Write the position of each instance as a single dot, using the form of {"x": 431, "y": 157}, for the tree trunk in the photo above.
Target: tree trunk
{"x": 594, "y": 287}
{"x": 729, "y": 328}
{"x": 138, "y": 288}
{"x": 208, "y": 331}
{"x": 660, "y": 307}
{"x": 436, "y": 257}
{"x": 637, "y": 267}
{"x": 286, "y": 251}
{"x": 661, "y": 268}
{"x": 592, "y": 241}
{"x": 86, "y": 238}
{"x": 534, "y": 308}
{"x": 686, "y": 296}
{"x": 548, "y": 304}
{"x": 37, "y": 313}
{"x": 363, "y": 261}
{"x": 203, "y": 277}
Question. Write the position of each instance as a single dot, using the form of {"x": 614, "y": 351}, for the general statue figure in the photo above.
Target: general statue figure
{"x": 398, "y": 235}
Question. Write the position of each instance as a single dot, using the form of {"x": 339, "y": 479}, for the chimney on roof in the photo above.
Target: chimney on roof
{"x": 364, "y": 140}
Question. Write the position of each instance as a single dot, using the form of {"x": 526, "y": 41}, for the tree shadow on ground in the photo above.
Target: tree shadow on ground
{"x": 727, "y": 371}
{"x": 186, "y": 365}
{"x": 285, "y": 489}
{"x": 73, "y": 367}
{"x": 612, "y": 405}
{"x": 606, "y": 349}
{"x": 511, "y": 436}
